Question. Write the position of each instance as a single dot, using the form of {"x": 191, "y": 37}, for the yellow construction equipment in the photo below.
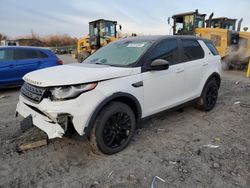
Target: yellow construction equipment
{"x": 101, "y": 32}
{"x": 232, "y": 45}
{"x": 248, "y": 70}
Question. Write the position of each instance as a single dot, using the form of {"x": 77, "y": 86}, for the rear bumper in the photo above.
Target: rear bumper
{"x": 53, "y": 130}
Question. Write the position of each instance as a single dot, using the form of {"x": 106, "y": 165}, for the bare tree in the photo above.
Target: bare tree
{"x": 2, "y": 37}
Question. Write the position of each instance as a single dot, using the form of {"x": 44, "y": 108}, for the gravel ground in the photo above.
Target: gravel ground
{"x": 173, "y": 146}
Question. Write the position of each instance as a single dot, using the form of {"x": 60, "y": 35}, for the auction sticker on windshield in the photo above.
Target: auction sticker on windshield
{"x": 136, "y": 45}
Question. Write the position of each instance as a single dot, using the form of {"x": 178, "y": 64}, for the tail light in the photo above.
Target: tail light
{"x": 59, "y": 62}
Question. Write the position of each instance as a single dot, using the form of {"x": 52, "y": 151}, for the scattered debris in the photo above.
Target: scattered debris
{"x": 217, "y": 139}
{"x": 32, "y": 145}
{"x": 110, "y": 174}
{"x": 172, "y": 162}
{"x": 131, "y": 177}
{"x": 237, "y": 102}
{"x": 199, "y": 152}
{"x": 237, "y": 82}
{"x": 154, "y": 179}
{"x": 245, "y": 105}
{"x": 4, "y": 96}
{"x": 216, "y": 165}
{"x": 161, "y": 130}
{"x": 211, "y": 146}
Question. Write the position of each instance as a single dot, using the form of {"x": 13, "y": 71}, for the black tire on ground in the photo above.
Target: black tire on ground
{"x": 113, "y": 129}
{"x": 82, "y": 56}
{"x": 209, "y": 96}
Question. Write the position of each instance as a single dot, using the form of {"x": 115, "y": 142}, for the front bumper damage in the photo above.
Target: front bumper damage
{"x": 54, "y": 117}
{"x": 52, "y": 129}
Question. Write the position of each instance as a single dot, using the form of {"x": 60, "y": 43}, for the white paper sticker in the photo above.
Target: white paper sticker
{"x": 136, "y": 45}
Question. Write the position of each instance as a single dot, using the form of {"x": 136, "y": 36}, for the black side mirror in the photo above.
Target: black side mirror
{"x": 159, "y": 64}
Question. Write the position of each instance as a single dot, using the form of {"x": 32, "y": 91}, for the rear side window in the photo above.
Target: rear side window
{"x": 25, "y": 54}
{"x": 42, "y": 54}
{"x": 167, "y": 50}
{"x": 212, "y": 48}
{"x": 6, "y": 55}
{"x": 192, "y": 50}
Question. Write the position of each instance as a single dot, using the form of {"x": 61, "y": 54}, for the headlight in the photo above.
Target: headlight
{"x": 68, "y": 92}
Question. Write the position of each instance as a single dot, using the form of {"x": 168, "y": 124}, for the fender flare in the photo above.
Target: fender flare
{"x": 216, "y": 76}
{"x": 90, "y": 124}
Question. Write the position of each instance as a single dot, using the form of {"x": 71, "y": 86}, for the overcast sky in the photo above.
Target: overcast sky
{"x": 18, "y": 17}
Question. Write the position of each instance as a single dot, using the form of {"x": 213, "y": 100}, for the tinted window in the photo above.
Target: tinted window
{"x": 25, "y": 54}
{"x": 192, "y": 50}
{"x": 6, "y": 55}
{"x": 42, "y": 54}
{"x": 167, "y": 50}
{"x": 212, "y": 48}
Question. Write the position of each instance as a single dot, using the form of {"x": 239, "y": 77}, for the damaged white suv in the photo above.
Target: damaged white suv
{"x": 113, "y": 89}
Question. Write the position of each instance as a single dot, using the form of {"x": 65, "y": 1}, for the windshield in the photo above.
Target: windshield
{"x": 93, "y": 29}
{"x": 110, "y": 29}
{"x": 121, "y": 53}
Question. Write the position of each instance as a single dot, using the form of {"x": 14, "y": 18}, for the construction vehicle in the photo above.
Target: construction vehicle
{"x": 228, "y": 41}
{"x": 101, "y": 32}
{"x": 238, "y": 54}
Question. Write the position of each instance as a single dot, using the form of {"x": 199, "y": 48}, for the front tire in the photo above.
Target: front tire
{"x": 113, "y": 129}
{"x": 209, "y": 96}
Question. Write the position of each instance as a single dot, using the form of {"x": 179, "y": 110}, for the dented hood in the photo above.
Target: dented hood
{"x": 74, "y": 74}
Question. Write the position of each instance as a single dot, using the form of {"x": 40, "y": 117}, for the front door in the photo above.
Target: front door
{"x": 164, "y": 89}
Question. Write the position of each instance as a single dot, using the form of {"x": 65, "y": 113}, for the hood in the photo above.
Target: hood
{"x": 74, "y": 74}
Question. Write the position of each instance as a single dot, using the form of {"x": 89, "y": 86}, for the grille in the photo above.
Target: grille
{"x": 33, "y": 93}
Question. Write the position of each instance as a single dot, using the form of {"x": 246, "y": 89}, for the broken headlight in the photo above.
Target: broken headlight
{"x": 69, "y": 92}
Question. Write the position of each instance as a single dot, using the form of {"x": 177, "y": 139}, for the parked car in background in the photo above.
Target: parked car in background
{"x": 16, "y": 61}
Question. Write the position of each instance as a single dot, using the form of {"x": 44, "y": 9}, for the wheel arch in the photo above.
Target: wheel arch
{"x": 126, "y": 98}
{"x": 216, "y": 76}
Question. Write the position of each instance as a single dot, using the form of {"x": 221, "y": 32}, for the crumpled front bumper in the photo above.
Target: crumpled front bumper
{"x": 53, "y": 130}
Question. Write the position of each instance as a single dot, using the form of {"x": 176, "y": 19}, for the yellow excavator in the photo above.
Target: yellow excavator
{"x": 101, "y": 32}
{"x": 239, "y": 53}
{"x": 232, "y": 45}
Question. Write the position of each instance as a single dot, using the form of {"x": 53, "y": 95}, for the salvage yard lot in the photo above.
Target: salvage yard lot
{"x": 174, "y": 146}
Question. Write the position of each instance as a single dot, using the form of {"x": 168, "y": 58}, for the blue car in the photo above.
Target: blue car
{"x": 16, "y": 61}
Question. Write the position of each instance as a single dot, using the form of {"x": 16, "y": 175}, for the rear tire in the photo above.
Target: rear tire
{"x": 113, "y": 129}
{"x": 209, "y": 96}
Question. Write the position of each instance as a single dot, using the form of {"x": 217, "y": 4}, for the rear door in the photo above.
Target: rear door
{"x": 193, "y": 59}
{"x": 27, "y": 60}
{"x": 45, "y": 59}
{"x": 8, "y": 74}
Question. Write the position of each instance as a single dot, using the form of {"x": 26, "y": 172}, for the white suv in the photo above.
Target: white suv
{"x": 114, "y": 88}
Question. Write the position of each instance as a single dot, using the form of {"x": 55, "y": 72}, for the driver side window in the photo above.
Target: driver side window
{"x": 167, "y": 50}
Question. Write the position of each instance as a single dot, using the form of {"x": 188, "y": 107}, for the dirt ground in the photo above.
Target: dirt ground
{"x": 173, "y": 146}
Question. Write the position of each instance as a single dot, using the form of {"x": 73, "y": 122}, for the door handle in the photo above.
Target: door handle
{"x": 205, "y": 63}
{"x": 179, "y": 70}
{"x": 11, "y": 66}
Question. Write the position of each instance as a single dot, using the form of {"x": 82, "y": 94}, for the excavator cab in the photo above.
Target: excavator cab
{"x": 186, "y": 23}
{"x": 101, "y": 32}
{"x": 223, "y": 23}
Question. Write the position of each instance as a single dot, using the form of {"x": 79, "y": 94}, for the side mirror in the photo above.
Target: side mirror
{"x": 159, "y": 64}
